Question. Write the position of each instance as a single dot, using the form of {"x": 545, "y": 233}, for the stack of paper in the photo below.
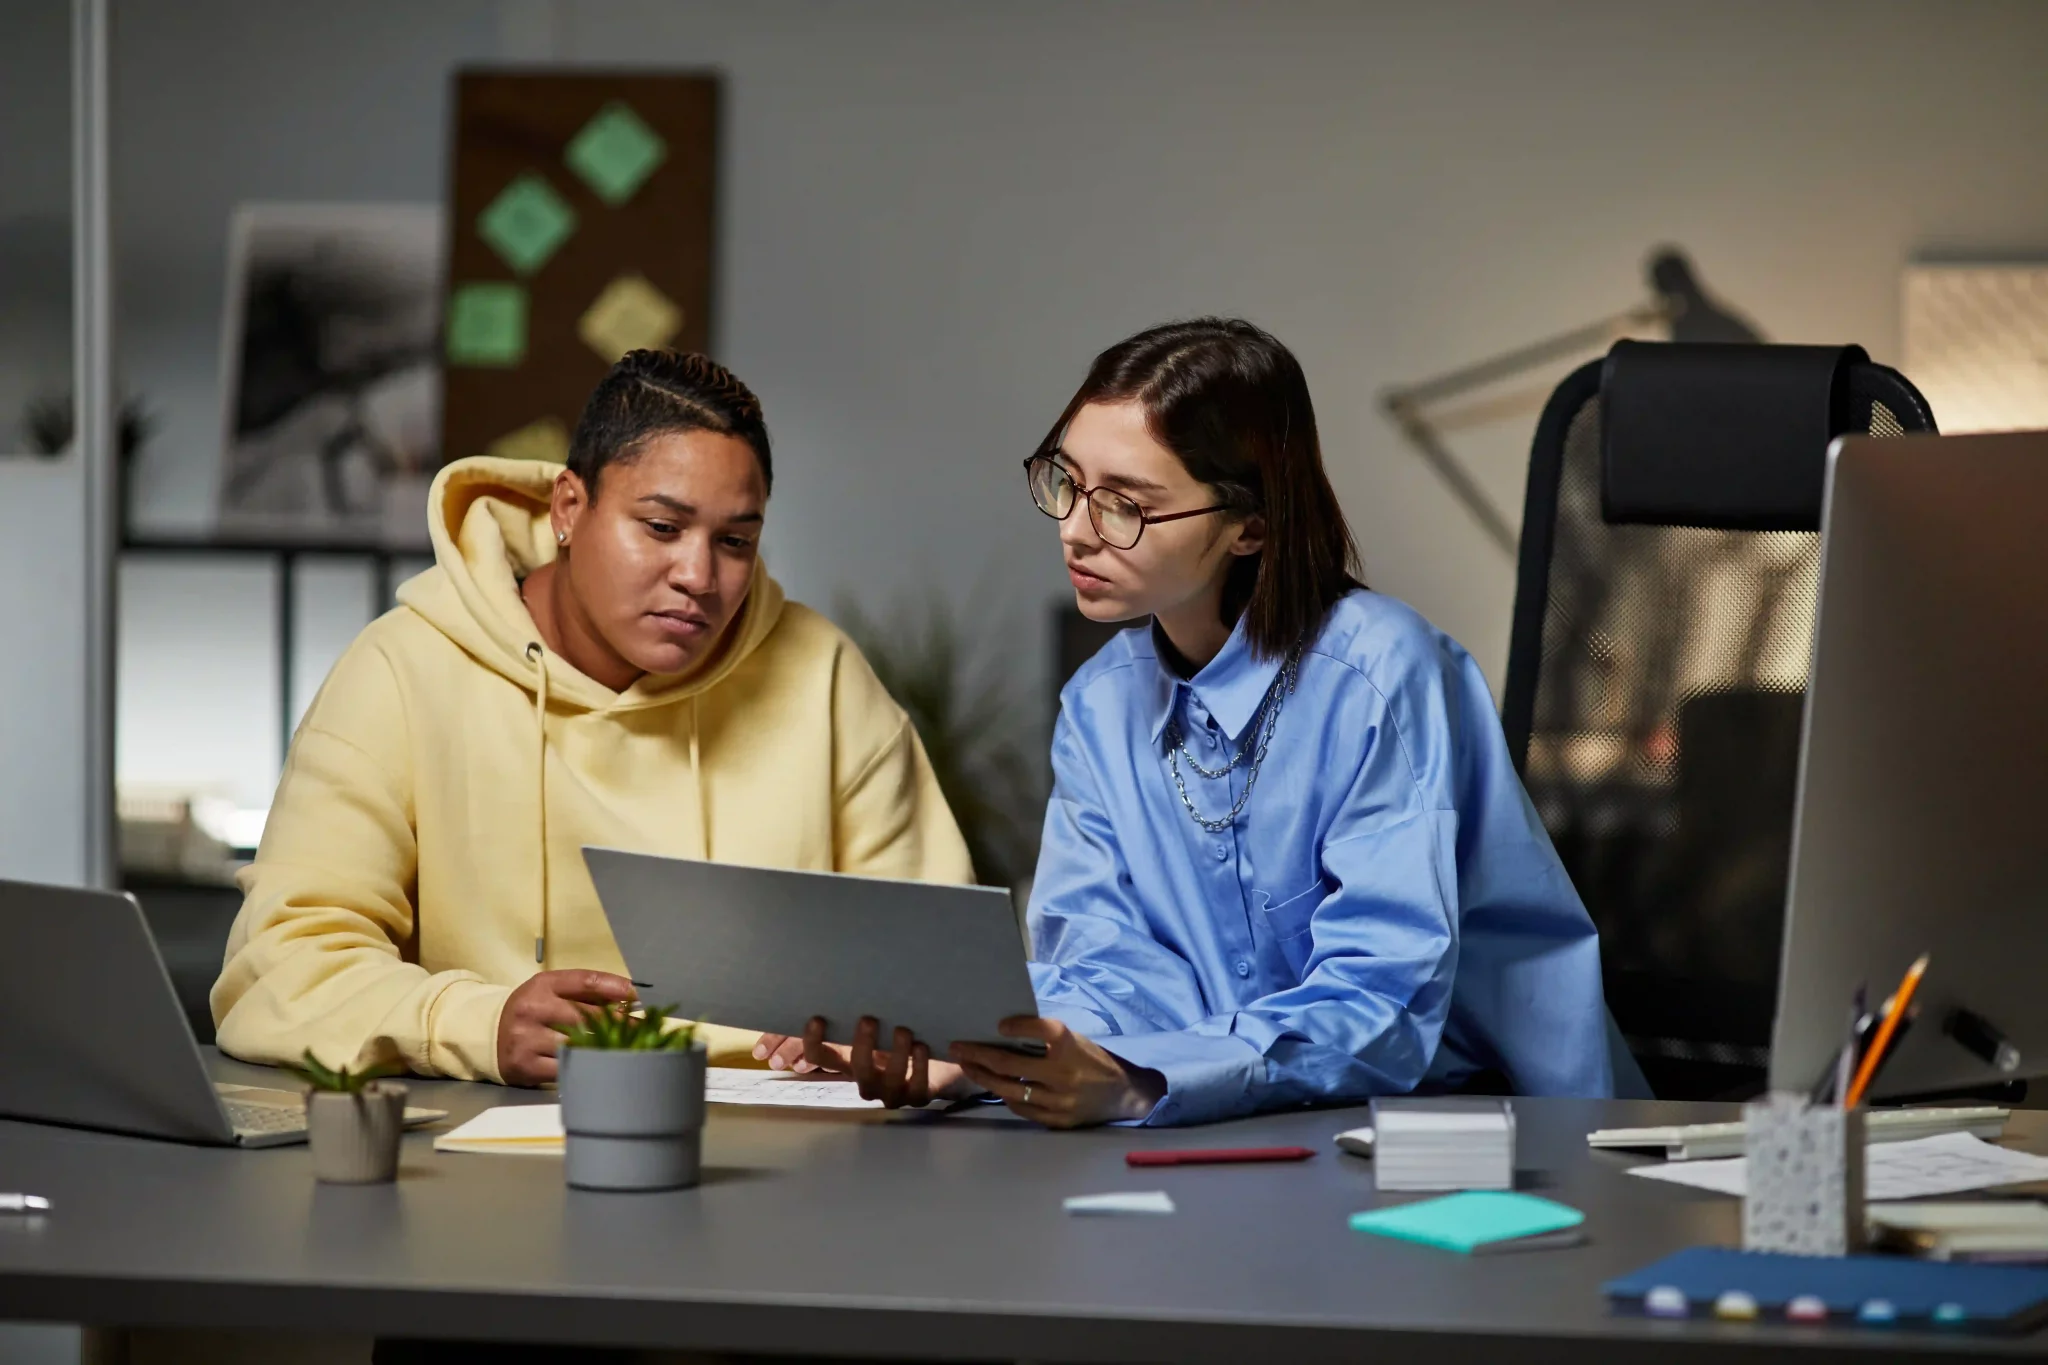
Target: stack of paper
{"x": 1446, "y": 1144}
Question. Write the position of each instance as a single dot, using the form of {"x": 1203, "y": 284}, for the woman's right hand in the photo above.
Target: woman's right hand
{"x": 901, "y": 1076}
{"x": 543, "y": 1004}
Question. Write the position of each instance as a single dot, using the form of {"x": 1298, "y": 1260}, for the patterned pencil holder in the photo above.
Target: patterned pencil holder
{"x": 1804, "y": 1177}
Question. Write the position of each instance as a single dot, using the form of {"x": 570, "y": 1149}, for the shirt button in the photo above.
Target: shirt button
{"x": 1244, "y": 969}
{"x": 1221, "y": 853}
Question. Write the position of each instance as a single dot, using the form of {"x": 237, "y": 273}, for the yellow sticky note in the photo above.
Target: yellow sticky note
{"x": 630, "y": 315}
{"x": 546, "y": 440}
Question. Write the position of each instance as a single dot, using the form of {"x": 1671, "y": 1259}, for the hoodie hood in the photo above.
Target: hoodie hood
{"x": 489, "y": 523}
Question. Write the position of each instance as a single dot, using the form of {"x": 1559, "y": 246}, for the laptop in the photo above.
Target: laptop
{"x": 767, "y": 948}
{"x": 92, "y": 1035}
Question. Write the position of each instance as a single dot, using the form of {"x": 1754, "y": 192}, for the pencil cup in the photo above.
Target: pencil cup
{"x": 1804, "y": 1177}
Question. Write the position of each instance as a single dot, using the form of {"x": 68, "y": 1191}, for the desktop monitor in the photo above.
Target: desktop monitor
{"x": 1922, "y": 821}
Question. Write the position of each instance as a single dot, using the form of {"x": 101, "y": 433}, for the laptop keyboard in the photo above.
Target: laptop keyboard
{"x": 251, "y": 1119}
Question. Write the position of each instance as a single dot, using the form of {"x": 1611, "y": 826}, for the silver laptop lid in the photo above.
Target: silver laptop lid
{"x": 91, "y": 1032}
{"x": 761, "y": 948}
{"x": 1923, "y": 800}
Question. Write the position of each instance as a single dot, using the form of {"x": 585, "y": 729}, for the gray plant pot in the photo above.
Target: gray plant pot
{"x": 633, "y": 1120}
{"x": 355, "y": 1137}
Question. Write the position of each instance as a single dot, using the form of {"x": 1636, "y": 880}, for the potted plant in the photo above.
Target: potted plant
{"x": 353, "y": 1122}
{"x": 632, "y": 1083}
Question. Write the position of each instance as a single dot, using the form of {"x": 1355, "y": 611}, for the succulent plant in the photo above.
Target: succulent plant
{"x": 342, "y": 1081}
{"x": 623, "y": 1028}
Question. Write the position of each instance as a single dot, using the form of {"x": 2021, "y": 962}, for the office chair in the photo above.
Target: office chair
{"x": 1657, "y": 668}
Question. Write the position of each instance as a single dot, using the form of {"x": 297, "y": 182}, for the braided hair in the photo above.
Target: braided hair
{"x": 655, "y": 393}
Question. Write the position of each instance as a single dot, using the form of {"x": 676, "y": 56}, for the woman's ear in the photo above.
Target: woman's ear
{"x": 1251, "y": 536}
{"x": 566, "y": 504}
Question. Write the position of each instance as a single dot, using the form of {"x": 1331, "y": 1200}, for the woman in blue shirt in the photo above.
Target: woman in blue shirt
{"x": 1287, "y": 858}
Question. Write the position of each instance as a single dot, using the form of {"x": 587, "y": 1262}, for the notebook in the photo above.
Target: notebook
{"x": 1478, "y": 1221}
{"x": 2013, "y": 1230}
{"x": 1999, "y": 1298}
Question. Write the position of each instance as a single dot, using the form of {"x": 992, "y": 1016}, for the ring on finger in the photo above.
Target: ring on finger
{"x": 1027, "y": 1094}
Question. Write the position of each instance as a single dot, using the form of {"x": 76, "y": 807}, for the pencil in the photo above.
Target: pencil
{"x": 1889, "y": 1025}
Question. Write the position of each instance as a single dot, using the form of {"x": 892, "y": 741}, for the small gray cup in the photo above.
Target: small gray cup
{"x": 634, "y": 1120}
{"x": 355, "y": 1137}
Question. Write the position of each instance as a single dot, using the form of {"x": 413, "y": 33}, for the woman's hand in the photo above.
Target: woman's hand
{"x": 783, "y": 1052}
{"x": 902, "y": 1076}
{"x": 1074, "y": 1085}
{"x": 543, "y": 1004}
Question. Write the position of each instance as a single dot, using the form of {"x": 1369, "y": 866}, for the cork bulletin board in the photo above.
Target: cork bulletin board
{"x": 581, "y": 215}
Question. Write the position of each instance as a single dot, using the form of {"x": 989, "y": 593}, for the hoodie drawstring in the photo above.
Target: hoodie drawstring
{"x": 697, "y": 773}
{"x": 538, "y": 657}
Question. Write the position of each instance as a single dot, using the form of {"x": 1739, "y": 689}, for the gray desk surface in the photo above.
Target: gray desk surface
{"x": 860, "y": 1234}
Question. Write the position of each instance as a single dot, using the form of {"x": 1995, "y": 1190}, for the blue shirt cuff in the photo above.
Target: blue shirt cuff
{"x": 1208, "y": 1076}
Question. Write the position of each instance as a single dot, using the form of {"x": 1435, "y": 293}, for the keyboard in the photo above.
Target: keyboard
{"x": 253, "y": 1119}
{"x": 1693, "y": 1141}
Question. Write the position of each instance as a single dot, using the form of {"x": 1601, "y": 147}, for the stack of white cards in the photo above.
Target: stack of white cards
{"x": 1443, "y": 1144}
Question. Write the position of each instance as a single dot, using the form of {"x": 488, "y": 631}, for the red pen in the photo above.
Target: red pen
{"x": 1216, "y": 1156}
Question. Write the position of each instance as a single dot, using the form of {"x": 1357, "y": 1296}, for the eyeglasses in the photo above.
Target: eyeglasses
{"x": 1117, "y": 519}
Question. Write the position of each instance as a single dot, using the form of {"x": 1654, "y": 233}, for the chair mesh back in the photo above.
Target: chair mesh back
{"x": 1661, "y": 743}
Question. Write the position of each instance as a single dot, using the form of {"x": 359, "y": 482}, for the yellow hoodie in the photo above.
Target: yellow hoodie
{"x": 426, "y": 840}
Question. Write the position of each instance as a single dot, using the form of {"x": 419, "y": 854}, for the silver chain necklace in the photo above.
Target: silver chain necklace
{"x": 1259, "y": 732}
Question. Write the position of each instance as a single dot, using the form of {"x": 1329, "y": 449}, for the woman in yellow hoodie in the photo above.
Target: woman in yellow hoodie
{"x": 597, "y": 657}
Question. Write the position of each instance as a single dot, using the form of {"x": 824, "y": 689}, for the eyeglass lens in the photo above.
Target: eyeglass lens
{"x": 1118, "y": 520}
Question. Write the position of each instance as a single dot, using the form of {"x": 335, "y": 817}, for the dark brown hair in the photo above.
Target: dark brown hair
{"x": 1232, "y": 403}
{"x": 654, "y": 393}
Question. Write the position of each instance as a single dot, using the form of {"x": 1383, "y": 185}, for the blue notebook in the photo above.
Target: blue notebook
{"x": 1477, "y": 1220}
{"x": 1945, "y": 1294}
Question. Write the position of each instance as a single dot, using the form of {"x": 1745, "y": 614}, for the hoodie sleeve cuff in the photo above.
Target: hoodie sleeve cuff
{"x": 729, "y": 1046}
{"x": 462, "y": 1040}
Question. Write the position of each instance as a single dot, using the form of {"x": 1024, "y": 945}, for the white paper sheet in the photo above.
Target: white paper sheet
{"x": 537, "y": 1128}
{"x": 744, "y": 1085}
{"x": 1138, "y": 1201}
{"x": 1950, "y": 1163}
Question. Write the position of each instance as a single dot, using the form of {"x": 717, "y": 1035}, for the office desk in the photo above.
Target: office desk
{"x": 864, "y": 1234}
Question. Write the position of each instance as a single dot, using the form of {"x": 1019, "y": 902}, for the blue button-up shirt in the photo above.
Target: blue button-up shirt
{"x": 1386, "y": 910}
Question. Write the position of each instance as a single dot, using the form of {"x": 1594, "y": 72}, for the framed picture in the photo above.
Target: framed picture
{"x": 330, "y": 374}
{"x": 1976, "y": 343}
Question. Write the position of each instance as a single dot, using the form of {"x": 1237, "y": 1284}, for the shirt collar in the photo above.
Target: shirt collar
{"x": 1230, "y": 686}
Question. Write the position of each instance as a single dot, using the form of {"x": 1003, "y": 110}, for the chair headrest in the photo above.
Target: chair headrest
{"x": 1731, "y": 437}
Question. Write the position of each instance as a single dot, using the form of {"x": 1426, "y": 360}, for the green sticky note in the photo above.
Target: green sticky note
{"x": 615, "y": 153}
{"x": 1468, "y": 1221}
{"x": 526, "y": 223}
{"x": 487, "y": 324}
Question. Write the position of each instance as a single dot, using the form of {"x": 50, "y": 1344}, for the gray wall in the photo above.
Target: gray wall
{"x": 42, "y": 668}
{"x": 936, "y": 212}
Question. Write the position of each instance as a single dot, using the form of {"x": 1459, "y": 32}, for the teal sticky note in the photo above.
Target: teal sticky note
{"x": 526, "y": 223}
{"x": 1464, "y": 1222}
{"x": 487, "y": 324}
{"x": 615, "y": 153}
